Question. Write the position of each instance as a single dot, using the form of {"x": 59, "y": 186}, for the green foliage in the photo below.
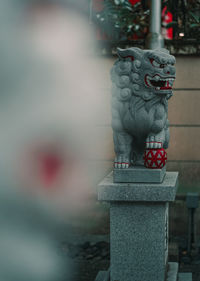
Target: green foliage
{"x": 186, "y": 14}
{"x": 121, "y": 20}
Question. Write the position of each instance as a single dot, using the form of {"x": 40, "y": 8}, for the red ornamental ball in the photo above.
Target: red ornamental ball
{"x": 155, "y": 158}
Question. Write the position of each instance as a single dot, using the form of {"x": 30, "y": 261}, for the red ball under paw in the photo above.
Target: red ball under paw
{"x": 155, "y": 158}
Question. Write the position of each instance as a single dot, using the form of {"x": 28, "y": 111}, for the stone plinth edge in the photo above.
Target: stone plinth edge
{"x": 130, "y": 192}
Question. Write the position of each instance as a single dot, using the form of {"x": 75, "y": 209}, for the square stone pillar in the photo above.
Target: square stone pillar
{"x": 139, "y": 227}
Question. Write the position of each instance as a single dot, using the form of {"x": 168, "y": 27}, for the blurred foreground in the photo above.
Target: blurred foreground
{"x": 48, "y": 109}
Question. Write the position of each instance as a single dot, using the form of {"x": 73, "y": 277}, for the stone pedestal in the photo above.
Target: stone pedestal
{"x": 139, "y": 174}
{"x": 139, "y": 228}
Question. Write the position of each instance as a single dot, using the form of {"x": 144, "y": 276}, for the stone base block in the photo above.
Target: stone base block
{"x": 172, "y": 274}
{"x": 138, "y": 174}
{"x": 185, "y": 276}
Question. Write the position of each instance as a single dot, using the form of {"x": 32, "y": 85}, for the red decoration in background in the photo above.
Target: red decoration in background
{"x": 133, "y": 2}
{"x": 155, "y": 158}
{"x": 167, "y": 18}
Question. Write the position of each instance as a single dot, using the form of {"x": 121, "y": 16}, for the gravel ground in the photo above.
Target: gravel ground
{"x": 91, "y": 256}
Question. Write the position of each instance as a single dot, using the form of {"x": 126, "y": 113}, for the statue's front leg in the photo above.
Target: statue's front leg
{"x": 123, "y": 147}
{"x": 157, "y": 137}
{"x": 167, "y": 135}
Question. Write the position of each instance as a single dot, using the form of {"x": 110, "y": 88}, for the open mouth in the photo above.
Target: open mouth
{"x": 158, "y": 82}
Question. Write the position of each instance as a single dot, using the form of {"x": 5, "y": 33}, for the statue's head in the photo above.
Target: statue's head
{"x": 146, "y": 72}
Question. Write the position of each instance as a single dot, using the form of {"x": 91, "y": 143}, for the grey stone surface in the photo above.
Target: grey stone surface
{"x": 142, "y": 84}
{"x": 139, "y": 174}
{"x": 138, "y": 241}
{"x": 185, "y": 276}
{"x": 139, "y": 228}
{"x": 172, "y": 272}
{"x": 165, "y": 191}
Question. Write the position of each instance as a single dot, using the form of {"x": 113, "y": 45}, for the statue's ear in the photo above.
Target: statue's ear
{"x": 132, "y": 53}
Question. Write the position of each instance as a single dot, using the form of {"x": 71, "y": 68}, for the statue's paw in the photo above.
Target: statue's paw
{"x": 153, "y": 143}
{"x": 121, "y": 165}
{"x": 121, "y": 162}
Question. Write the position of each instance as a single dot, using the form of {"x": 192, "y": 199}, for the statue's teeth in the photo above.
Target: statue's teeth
{"x": 157, "y": 77}
{"x": 148, "y": 80}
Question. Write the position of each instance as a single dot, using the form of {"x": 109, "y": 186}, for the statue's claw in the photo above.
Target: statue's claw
{"x": 153, "y": 145}
{"x": 121, "y": 163}
{"x": 118, "y": 165}
{"x": 155, "y": 141}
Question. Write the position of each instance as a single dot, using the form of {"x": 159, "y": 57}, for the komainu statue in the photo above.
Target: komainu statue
{"x": 142, "y": 84}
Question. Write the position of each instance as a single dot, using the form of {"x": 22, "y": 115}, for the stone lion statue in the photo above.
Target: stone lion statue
{"x": 142, "y": 84}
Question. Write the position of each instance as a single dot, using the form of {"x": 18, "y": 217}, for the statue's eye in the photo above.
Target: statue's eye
{"x": 156, "y": 64}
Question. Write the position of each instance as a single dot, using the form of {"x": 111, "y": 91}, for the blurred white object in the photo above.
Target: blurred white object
{"x": 48, "y": 104}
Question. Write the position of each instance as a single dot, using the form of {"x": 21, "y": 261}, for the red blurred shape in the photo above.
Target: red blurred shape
{"x": 51, "y": 165}
{"x": 133, "y": 2}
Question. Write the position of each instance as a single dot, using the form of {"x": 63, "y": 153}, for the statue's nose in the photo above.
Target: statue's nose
{"x": 169, "y": 69}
